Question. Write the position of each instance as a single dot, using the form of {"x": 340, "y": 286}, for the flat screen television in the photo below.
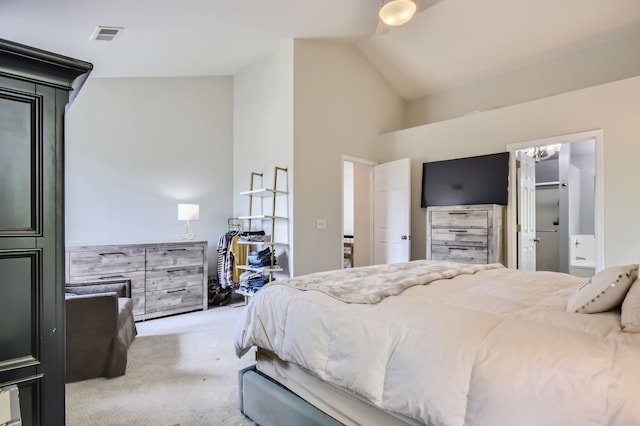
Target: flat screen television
{"x": 462, "y": 181}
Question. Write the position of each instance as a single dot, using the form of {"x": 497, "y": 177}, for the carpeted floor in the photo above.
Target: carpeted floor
{"x": 182, "y": 370}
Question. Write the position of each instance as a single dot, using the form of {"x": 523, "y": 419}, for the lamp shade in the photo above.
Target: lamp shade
{"x": 188, "y": 211}
{"x": 397, "y": 12}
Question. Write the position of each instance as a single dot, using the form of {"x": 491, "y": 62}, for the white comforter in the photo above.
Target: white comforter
{"x": 493, "y": 348}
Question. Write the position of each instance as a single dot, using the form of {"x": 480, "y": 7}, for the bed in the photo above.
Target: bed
{"x": 441, "y": 343}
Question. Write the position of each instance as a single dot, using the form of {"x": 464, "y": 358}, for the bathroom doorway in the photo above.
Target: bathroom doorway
{"x": 566, "y": 207}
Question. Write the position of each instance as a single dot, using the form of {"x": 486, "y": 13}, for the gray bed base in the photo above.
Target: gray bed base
{"x": 268, "y": 403}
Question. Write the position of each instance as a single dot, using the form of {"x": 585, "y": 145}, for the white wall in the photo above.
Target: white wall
{"x": 615, "y": 59}
{"x": 341, "y": 106}
{"x": 263, "y": 135}
{"x": 363, "y": 227}
{"x": 136, "y": 147}
{"x": 613, "y": 107}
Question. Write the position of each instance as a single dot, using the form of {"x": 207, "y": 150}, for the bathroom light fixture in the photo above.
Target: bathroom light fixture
{"x": 188, "y": 212}
{"x": 539, "y": 153}
{"x": 397, "y": 12}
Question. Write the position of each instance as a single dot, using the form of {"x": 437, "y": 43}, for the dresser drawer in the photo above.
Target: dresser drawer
{"x": 174, "y": 299}
{"x": 460, "y": 254}
{"x": 466, "y": 234}
{"x": 460, "y": 219}
{"x": 106, "y": 262}
{"x": 164, "y": 257}
{"x": 460, "y": 236}
{"x": 163, "y": 279}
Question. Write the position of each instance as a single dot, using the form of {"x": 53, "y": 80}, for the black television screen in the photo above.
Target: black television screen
{"x": 473, "y": 180}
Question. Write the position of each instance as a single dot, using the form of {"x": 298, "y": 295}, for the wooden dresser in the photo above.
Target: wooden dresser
{"x": 166, "y": 278}
{"x": 467, "y": 234}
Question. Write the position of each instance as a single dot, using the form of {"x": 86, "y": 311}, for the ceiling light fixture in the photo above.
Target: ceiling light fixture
{"x": 540, "y": 153}
{"x": 397, "y": 12}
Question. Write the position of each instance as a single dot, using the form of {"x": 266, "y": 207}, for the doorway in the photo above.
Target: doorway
{"x": 376, "y": 212}
{"x": 567, "y": 205}
{"x": 357, "y": 221}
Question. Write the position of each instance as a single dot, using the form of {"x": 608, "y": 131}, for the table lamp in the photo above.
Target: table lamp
{"x": 188, "y": 212}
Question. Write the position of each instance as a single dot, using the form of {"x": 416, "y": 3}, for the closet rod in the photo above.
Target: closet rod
{"x": 556, "y": 183}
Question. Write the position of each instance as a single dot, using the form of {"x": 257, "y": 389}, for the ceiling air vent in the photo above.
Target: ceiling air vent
{"x": 106, "y": 33}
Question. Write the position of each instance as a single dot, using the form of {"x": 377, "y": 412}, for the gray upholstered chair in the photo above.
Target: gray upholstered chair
{"x": 99, "y": 329}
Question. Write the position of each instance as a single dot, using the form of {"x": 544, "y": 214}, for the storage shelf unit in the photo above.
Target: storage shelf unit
{"x": 263, "y": 192}
{"x": 267, "y": 221}
{"x": 262, "y": 243}
{"x": 261, "y": 217}
{"x": 245, "y": 293}
{"x": 260, "y": 269}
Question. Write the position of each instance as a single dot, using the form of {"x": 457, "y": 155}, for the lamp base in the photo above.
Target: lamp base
{"x": 187, "y": 233}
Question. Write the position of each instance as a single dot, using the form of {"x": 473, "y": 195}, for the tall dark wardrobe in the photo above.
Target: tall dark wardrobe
{"x": 35, "y": 88}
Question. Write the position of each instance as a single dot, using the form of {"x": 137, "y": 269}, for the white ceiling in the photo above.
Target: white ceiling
{"x": 451, "y": 43}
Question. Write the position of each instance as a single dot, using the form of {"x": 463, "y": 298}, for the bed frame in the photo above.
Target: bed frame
{"x": 270, "y": 404}
{"x": 278, "y": 393}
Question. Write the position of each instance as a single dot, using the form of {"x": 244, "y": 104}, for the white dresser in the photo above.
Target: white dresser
{"x": 166, "y": 277}
{"x": 467, "y": 234}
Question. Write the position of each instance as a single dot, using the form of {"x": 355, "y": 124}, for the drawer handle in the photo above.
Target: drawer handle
{"x": 113, "y": 253}
{"x": 457, "y": 248}
{"x": 172, "y": 271}
{"x": 110, "y": 277}
{"x": 177, "y": 249}
{"x": 176, "y": 291}
{"x": 458, "y": 231}
{"x": 465, "y": 213}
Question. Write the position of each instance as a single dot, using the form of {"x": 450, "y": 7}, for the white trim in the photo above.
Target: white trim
{"x": 598, "y": 136}
{"x": 358, "y": 160}
{"x": 554, "y": 140}
{"x": 371, "y": 215}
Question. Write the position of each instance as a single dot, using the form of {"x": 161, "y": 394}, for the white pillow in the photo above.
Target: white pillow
{"x": 630, "y": 316}
{"x": 604, "y": 291}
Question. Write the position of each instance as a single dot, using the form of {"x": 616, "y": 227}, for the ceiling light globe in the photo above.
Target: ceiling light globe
{"x": 397, "y": 12}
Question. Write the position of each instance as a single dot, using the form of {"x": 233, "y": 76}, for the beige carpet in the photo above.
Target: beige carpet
{"x": 182, "y": 370}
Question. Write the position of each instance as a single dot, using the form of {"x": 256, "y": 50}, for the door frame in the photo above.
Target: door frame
{"x": 370, "y": 164}
{"x": 598, "y": 136}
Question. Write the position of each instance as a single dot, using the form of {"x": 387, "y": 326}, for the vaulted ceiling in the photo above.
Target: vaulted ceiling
{"x": 447, "y": 45}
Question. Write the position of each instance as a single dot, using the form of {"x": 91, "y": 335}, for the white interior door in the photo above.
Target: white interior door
{"x": 526, "y": 211}
{"x": 391, "y": 212}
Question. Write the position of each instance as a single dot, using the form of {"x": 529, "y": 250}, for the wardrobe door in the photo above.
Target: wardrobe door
{"x": 31, "y": 272}
{"x": 34, "y": 92}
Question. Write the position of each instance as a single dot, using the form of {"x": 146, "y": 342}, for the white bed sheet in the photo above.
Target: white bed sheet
{"x": 493, "y": 348}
